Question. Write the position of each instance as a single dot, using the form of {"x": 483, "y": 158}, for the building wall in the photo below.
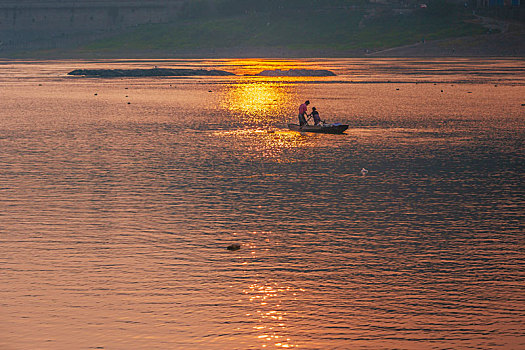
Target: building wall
{"x": 503, "y": 9}
{"x": 498, "y": 3}
{"x": 30, "y": 23}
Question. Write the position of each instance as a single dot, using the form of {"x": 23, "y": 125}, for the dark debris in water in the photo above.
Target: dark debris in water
{"x": 234, "y": 246}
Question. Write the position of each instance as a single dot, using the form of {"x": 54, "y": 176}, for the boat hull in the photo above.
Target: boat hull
{"x": 323, "y": 129}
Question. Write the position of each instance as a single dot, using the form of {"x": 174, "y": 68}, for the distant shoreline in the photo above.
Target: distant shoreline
{"x": 511, "y": 44}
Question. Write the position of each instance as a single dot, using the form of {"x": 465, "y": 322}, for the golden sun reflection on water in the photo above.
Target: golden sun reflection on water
{"x": 262, "y": 100}
{"x": 268, "y": 144}
{"x": 259, "y": 102}
{"x": 271, "y": 328}
{"x": 254, "y": 66}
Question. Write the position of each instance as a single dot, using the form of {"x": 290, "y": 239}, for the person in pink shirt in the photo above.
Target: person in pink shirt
{"x": 302, "y": 113}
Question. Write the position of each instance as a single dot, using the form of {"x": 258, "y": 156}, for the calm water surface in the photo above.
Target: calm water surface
{"x": 118, "y": 198}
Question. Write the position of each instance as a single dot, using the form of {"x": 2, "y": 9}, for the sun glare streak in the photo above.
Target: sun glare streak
{"x": 263, "y": 100}
{"x": 259, "y": 103}
{"x": 254, "y": 66}
{"x": 271, "y": 328}
{"x": 252, "y": 98}
{"x": 270, "y": 145}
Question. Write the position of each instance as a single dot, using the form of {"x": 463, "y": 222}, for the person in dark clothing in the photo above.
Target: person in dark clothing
{"x": 315, "y": 115}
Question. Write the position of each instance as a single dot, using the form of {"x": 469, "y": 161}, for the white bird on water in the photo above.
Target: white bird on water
{"x": 364, "y": 171}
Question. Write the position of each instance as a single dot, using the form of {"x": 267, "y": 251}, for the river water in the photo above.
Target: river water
{"x": 118, "y": 198}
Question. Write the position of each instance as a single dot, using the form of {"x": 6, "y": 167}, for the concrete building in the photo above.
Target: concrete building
{"x": 497, "y": 3}
{"x": 30, "y": 24}
{"x": 504, "y": 9}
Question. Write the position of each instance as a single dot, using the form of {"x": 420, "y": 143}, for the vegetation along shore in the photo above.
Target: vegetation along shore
{"x": 272, "y": 28}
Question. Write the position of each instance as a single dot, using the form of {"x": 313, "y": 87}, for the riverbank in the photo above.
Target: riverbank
{"x": 508, "y": 44}
{"x": 486, "y": 45}
{"x": 338, "y": 32}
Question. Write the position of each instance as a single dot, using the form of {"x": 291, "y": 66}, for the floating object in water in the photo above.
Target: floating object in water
{"x": 364, "y": 171}
{"x": 234, "y": 246}
{"x": 129, "y": 103}
{"x": 96, "y": 94}
{"x": 336, "y": 128}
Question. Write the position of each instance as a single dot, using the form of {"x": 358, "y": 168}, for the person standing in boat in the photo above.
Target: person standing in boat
{"x": 315, "y": 115}
{"x": 302, "y": 113}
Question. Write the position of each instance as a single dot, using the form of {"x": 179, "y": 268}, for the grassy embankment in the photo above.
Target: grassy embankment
{"x": 308, "y": 26}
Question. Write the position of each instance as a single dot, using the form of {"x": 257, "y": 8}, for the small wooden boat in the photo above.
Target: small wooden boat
{"x": 336, "y": 128}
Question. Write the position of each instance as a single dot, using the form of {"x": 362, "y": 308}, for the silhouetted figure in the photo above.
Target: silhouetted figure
{"x": 315, "y": 115}
{"x": 302, "y": 113}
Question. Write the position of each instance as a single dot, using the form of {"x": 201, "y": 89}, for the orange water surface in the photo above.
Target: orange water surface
{"x": 119, "y": 197}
